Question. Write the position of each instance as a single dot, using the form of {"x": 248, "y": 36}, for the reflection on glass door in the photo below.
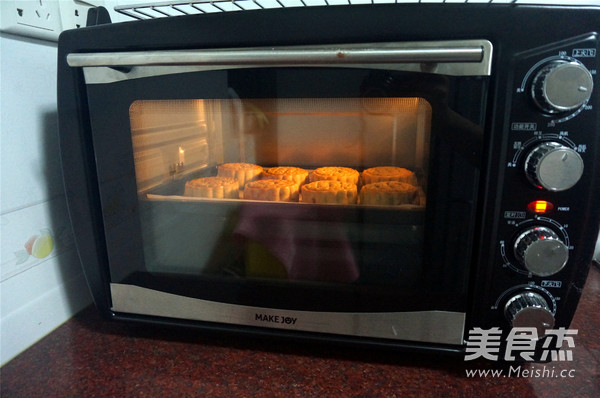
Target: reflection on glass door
{"x": 304, "y": 190}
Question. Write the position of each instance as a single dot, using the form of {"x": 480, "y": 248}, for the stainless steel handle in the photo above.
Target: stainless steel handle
{"x": 454, "y": 58}
{"x": 365, "y": 54}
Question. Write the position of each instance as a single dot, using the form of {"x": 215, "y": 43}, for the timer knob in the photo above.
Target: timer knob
{"x": 529, "y": 309}
{"x": 541, "y": 251}
{"x": 562, "y": 86}
{"x": 553, "y": 166}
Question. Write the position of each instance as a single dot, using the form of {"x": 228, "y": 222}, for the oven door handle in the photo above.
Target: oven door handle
{"x": 468, "y": 57}
{"x": 282, "y": 56}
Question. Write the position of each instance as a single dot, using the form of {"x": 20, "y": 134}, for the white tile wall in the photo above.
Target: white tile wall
{"x": 37, "y": 293}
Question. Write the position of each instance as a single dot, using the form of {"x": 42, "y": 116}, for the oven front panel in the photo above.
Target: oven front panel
{"x": 392, "y": 263}
{"x": 419, "y": 326}
{"x": 144, "y": 108}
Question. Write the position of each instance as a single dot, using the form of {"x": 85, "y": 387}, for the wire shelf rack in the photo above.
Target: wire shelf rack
{"x": 164, "y": 9}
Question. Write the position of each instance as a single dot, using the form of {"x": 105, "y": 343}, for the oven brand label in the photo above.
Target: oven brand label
{"x": 287, "y": 320}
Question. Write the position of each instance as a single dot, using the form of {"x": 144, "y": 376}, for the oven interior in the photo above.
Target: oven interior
{"x": 357, "y": 241}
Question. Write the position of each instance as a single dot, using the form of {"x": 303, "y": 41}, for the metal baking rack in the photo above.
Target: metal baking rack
{"x": 180, "y": 8}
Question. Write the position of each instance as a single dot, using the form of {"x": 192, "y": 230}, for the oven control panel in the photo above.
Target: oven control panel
{"x": 553, "y": 166}
{"x": 550, "y": 153}
{"x": 562, "y": 85}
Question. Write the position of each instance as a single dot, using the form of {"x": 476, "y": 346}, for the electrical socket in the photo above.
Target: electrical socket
{"x": 73, "y": 13}
{"x": 36, "y": 18}
{"x": 44, "y": 19}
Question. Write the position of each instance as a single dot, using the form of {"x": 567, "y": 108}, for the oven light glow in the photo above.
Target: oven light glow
{"x": 540, "y": 206}
{"x": 181, "y": 156}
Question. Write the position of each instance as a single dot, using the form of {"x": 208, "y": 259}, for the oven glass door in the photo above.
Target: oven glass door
{"x": 318, "y": 198}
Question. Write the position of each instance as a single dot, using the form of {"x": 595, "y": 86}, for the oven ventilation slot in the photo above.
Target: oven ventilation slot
{"x": 153, "y": 10}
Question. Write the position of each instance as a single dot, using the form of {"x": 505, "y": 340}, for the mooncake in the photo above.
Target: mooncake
{"x": 341, "y": 174}
{"x": 388, "y": 193}
{"x": 212, "y": 187}
{"x": 296, "y": 174}
{"x": 388, "y": 173}
{"x": 329, "y": 192}
{"x": 272, "y": 190}
{"x": 242, "y": 172}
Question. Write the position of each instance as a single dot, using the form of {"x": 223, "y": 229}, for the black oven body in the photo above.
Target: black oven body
{"x": 478, "y": 206}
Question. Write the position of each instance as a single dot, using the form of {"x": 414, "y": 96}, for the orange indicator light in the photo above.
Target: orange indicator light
{"x": 540, "y": 206}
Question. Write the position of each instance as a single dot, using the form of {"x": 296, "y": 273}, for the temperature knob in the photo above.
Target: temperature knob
{"x": 529, "y": 309}
{"x": 562, "y": 86}
{"x": 553, "y": 166}
{"x": 541, "y": 251}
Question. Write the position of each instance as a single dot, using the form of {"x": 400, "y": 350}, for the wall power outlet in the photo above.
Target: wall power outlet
{"x": 73, "y": 13}
{"x": 44, "y": 19}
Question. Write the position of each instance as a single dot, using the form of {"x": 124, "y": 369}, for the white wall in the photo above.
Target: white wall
{"x": 37, "y": 293}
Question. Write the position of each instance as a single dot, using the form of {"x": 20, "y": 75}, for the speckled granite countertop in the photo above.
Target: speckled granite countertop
{"x": 90, "y": 357}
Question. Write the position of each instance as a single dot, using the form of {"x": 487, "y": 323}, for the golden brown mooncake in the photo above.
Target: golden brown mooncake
{"x": 328, "y": 191}
{"x": 341, "y": 174}
{"x": 388, "y": 193}
{"x": 272, "y": 190}
{"x": 295, "y": 174}
{"x": 242, "y": 172}
{"x": 213, "y": 187}
{"x": 388, "y": 173}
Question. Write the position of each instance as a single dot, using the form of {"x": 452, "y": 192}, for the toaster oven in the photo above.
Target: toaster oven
{"x": 389, "y": 175}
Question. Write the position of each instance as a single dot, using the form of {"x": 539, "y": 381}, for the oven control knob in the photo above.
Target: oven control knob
{"x": 541, "y": 251}
{"x": 529, "y": 309}
{"x": 562, "y": 86}
{"x": 553, "y": 166}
